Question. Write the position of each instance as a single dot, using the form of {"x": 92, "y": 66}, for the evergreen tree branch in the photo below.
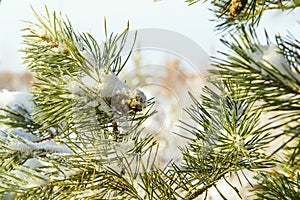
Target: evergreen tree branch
{"x": 230, "y": 14}
{"x": 277, "y": 186}
{"x": 269, "y": 74}
{"x": 18, "y": 117}
{"x": 228, "y": 139}
{"x": 96, "y": 146}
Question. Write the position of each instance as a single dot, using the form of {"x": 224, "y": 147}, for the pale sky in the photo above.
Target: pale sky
{"x": 88, "y": 16}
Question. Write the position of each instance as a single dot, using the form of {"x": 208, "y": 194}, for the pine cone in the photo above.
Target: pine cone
{"x": 128, "y": 101}
{"x": 236, "y": 7}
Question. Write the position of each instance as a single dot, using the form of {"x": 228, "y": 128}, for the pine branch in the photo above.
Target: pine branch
{"x": 228, "y": 138}
{"x": 69, "y": 65}
{"x": 269, "y": 74}
{"x": 97, "y": 147}
{"x": 18, "y": 117}
{"x": 230, "y": 14}
{"x": 277, "y": 186}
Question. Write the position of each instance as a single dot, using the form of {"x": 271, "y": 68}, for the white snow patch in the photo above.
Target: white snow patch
{"x": 111, "y": 84}
{"x": 14, "y": 99}
{"x": 108, "y": 85}
{"x": 32, "y": 181}
{"x": 24, "y": 145}
{"x": 51, "y": 145}
{"x": 17, "y": 145}
{"x": 23, "y": 134}
{"x": 270, "y": 56}
{"x": 35, "y": 163}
